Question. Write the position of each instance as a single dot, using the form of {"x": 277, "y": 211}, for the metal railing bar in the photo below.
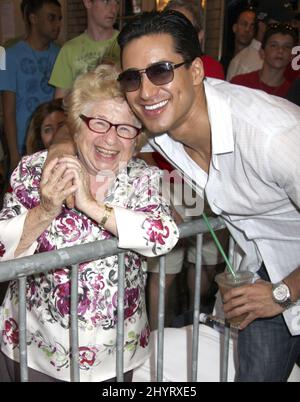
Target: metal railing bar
{"x": 161, "y": 318}
{"x": 22, "y": 330}
{"x": 43, "y": 262}
{"x": 194, "y": 227}
{"x": 225, "y": 357}
{"x": 195, "y": 339}
{"x": 74, "y": 324}
{"x": 22, "y": 267}
{"x": 120, "y": 322}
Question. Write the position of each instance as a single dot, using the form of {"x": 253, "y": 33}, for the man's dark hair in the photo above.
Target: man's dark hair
{"x": 29, "y": 7}
{"x": 275, "y": 28}
{"x": 170, "y": 22}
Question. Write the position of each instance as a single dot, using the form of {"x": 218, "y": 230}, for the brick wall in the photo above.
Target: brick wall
{"x": 75, "y": 18}
{"x": 75, "y": 21}
{"x": 214, "y": 27}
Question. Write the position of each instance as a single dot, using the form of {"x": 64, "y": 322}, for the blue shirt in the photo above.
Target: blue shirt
{"x": 27, "y": 74}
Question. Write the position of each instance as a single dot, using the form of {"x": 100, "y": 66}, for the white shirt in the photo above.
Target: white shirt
{"x": 246, "y": 61}
{"x": 254, "y": 176}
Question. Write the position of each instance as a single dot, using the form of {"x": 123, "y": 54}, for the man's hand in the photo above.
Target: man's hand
{"x": 255, "y": 299}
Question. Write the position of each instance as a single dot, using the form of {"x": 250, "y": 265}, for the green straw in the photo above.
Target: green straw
{"x": 216, "y": 240}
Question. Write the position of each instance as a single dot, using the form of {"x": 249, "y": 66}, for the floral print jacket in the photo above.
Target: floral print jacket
{"x": 144, "y": 225}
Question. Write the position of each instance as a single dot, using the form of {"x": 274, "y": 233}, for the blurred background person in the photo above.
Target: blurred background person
{"x": 243, "y": 32}
{"x": 47, "y": 119}
{"x": 193, "y": 11}
{"x": 86, "y": 51}
{"x": 276, "y": 53}
{"x": 24, "y": 83}
{"x": 249, "y": 59}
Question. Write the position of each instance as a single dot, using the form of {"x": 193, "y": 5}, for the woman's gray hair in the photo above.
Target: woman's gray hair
{"x": 93, "y": 86}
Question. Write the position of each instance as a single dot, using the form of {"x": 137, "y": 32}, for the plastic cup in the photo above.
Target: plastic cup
{"x": 226, "y": 281}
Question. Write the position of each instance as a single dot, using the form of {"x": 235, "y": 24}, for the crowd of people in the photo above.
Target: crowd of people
{"x": 90, "y": 131}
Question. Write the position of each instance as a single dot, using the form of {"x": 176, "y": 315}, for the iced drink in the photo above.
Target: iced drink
{"x": 226, "y": 281}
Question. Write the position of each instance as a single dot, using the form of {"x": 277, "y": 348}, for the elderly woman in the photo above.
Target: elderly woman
{"x": 115, "y": 195}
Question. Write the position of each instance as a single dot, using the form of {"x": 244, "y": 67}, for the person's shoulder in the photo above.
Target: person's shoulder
{"x": 115, "y": 34}
{"x": 74, "y": 42}
{"x": 138, "y": 167}
{"x": 254, "y": 108}
{"x": 18, "y": 48}
{"x": 248, "y": 51}
{"x": 55, "y": 46}
{"x": 29, "y": 170}
{"x": 35, "y": 159}
{"x": 54, "y": 49}
{"x": 241, "y": 78}
{"x": 212, "y": 67}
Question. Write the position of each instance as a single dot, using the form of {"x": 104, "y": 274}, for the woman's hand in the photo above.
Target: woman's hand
{"x": 55, "y": 187}
{"x": 84, "y": 199}
{"x": 62, "y": 144}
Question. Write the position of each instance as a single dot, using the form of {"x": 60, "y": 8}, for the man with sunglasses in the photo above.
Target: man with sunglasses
{"x": 240, "y": 148}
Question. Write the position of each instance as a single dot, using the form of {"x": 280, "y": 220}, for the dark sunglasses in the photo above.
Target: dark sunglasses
{"x": 160, "y": 73}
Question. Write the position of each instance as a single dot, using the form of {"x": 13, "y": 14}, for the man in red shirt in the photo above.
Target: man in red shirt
{"x": 276, "y": 51}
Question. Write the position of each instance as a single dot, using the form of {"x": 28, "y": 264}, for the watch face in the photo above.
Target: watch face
{"x": 281, "y": 293}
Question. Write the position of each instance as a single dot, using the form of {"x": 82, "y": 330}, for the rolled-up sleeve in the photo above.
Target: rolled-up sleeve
{"x": 10, "y": 235}
{"x": 145, "y": 233}
{"x": 145, "y": 223}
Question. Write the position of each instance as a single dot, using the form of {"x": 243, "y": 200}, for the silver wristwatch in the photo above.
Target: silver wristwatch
{"x": 282, "y": 295}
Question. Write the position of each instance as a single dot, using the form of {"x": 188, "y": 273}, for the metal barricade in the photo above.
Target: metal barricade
{"x": 20, "y": 268}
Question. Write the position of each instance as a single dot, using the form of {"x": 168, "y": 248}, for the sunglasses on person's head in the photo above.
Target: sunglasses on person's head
{"x": 160, "y": 73}
{"x": 280, "y": 25}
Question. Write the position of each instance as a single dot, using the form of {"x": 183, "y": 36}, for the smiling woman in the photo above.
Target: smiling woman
{"x": 111, "y": 188}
